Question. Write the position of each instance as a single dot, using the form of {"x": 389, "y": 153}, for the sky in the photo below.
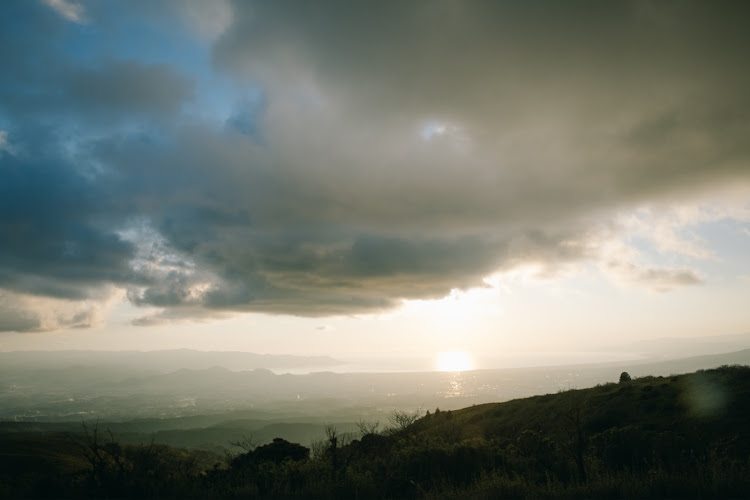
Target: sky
{"x": 387, "y": 178}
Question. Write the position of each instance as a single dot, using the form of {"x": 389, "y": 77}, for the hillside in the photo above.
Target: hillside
{"x": 676, "y": 436}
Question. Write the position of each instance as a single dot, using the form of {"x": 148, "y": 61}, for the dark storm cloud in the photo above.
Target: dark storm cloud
{"x": 61, "y": 212}
{"x": 56, "y": 235}
{"x": 264, "y": 241}
{"x": 551, "y": 112}
{"x": 400, "y": 149}
{"x": 583, "y": 78}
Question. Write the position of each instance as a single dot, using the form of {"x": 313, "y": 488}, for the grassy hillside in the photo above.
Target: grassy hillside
{"x": 658, "y": 403}
{"x": 651, "y": 437}
{"x": 681, "y": 436}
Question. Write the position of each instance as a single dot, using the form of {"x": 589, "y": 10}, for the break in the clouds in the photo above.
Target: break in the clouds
{"x": 335, "y": 158}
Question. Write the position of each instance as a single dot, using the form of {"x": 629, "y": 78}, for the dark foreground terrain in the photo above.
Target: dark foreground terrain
{"x": 682, "y": 436}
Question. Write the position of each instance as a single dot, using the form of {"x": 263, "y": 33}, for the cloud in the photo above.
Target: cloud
{"x": 70, "y": 10}
{"x": 540, "y": 102}
{"x": 128, "y": 86}
{"x": 655, "y": 279}
{"x": 21, "y": 312}
{"x": 210, "y": 20}
{"x": 76, "y": 81}
{"x": 5, "y": 144}
{"x": 627, "y": 266}
{"x": 547, "y": 257}
{"x": 13, "y": 319}
{"x": 671, "y": 226}
{"x": 57, "y": 234}
{"x": 106, "y": 94}
{"x": 395, "y": 151}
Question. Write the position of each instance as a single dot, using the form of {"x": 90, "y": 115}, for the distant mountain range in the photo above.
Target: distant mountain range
{"x": 164, "y": 361}
{"x": 671, "y": 348}
{"x": 69, "y": 385}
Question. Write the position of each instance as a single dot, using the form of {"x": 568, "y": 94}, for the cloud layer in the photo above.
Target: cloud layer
{"x": 361, "y": 154}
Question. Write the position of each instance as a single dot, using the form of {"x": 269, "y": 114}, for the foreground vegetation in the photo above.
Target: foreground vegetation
{"x": 679, "y": 436}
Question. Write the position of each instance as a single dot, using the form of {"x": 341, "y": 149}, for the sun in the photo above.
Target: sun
{"x": 454, "y": 361}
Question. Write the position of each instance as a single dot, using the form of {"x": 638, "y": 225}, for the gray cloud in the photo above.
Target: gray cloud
{"x": 56, "y": 235}
{"x": 665, "y": 279}
{"x": 328, "y": 196}
{"x": 129, "y": 87}
{"x": 656, "y": 279}
{"x": 13, "y": 319}
{"x": 33, "y": 313}
{"x": 603, "y": 100}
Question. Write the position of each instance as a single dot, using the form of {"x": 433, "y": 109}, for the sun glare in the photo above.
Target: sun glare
{"x": 454, "y": 361}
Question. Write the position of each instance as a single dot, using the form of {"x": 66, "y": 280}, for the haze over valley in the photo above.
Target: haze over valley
{"x": 209, "y": 399}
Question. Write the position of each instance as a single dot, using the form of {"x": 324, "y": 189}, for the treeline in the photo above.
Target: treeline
{"x": 653, "y": 437}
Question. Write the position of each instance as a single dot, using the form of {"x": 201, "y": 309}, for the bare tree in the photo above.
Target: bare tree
{"x": 247, "y": 443}
{"x": 366, "y": 428}
{"x": 106, "y": 458}
{"x": 332, "y": 438}
{"x": 400, "y": 419}
{"x": 318, "y": 448}
{"x": 94, "y": 451}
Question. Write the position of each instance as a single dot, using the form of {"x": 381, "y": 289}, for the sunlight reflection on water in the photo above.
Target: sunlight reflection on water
{"x": 454, "y": 385}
